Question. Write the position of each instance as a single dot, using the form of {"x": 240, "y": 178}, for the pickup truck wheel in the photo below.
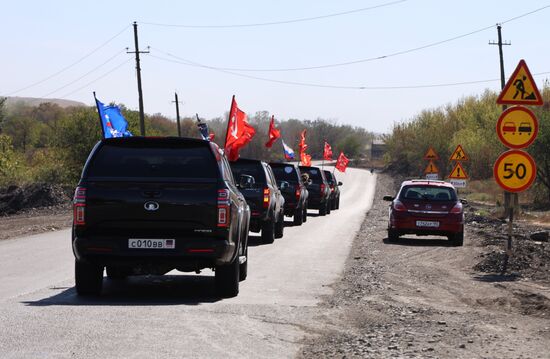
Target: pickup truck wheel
{"x": 280, "y": 227}
{"x": 227, "y": 279}
{"x": 298, "y": 217}
{"x": 268, "y": 232}
{"x": 323, "y": 210}
{"x": 393, "y": 235}
{"x": 88, "y": 278}
{"x": 116, "y": 273}
{"x": 243, "y": 267}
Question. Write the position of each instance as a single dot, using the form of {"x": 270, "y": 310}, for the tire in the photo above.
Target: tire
{"x": 304, "y": 215}
{"x": 227, "y": 279}
{"x": 458, "y": 239}
{"x": 268, "y": 232}
{"x": 333, "y": 205}
{"x": 337, "y": 205}
{"x": 116, "y": 272}
{"x": 280, "y": 227}
{"x": 329, "y": 206}
{"x": 298, "y": 217}
{"x": 88, "y": 278}
{"x": 393, "y": 235}
{"x": 243, "y": 268}
{"x": 323, "y": 210}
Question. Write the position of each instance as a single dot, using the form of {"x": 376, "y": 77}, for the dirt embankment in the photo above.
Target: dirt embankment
{"x": 33, "y": 209}
{"x": 422, "y": 298}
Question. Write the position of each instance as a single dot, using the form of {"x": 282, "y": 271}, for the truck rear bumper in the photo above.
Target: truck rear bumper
{"x": 197, "y": 253}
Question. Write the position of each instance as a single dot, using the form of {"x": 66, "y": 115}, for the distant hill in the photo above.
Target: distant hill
{"x": 32, "y": 101}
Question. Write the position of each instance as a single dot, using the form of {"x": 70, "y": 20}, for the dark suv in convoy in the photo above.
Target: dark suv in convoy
{"x": 296, "y": 194}
{"x": 318, "y": 188}
{"x": 424, "y": 207}
{"x": 334, "y": 190}
{"x": 151, "y": 205}
{"x": 259, "y": 187}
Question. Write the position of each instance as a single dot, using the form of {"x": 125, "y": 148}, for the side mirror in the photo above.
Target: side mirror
{"x": 463, "y": 201}
{"x": 340, "y": 183}
{"x": 284, "y": 185}
{"x": 388, "y": 198}
{"x": 246, "y": 181}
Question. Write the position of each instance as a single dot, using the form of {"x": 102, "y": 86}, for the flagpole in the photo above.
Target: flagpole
{"x": 229, "y": 120}
{"x": 99, "y": 116}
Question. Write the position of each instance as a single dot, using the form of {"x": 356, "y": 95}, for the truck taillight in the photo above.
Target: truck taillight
{"x": 224, "y": 208}
{"x": 266, "y": 197}
{"x": 297, "y": 192}
{"x": 79, "y": 206}
{"x": 332, "y": 188}
{"x": 399, "y": 206}
{"x": 322, "y": 189}
{"x": 457, "y": 209}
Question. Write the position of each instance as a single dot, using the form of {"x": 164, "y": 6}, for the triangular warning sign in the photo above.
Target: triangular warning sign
{"x": 431, "y": 168}
{"x": 431, "y": 154}
{"x": 459, "y": 154}
{"x": 458, "y": 172}
{"x": 520, "y": 88}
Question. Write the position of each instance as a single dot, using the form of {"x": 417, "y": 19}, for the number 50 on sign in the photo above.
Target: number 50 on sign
{"x": 515, "y": 171}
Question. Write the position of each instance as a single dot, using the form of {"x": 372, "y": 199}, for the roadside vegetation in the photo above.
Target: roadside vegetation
{"x": 470, "y": 122}
{"x": 49, "y": 143}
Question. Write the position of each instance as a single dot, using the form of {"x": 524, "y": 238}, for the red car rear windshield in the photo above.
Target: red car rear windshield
{"x": 429, "y": 193}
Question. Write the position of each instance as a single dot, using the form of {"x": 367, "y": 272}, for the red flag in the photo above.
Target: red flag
{"x": 305, "y": 159}
{"x": 239, "y": 132}
{"x": 274, "y": 133}
{"x": 342, "y": 162}
{"x": 302, "y": 145}
{"x": 327, "y": 152}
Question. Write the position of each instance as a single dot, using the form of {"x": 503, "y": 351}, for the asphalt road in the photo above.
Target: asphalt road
{"x": 178, "y": 315}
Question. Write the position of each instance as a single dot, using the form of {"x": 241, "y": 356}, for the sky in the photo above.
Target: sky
{"x": 68, "y": 49}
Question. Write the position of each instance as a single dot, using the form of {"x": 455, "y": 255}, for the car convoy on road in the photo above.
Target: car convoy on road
{"x": 148, "y": 205}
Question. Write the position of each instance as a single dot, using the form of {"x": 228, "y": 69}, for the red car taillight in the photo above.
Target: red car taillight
{"x": 297, "y": 192}
{"x": 266, "y": 197}
{"x": 322, "y": 189}
{"x": 399, "y": 206}
{"x": 79, "y": 206}
{"x": 224, "y": 208}
{"x": 457, "y": 209}
{"x": 332, "y": 188}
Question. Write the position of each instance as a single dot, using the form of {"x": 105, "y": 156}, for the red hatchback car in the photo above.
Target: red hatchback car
{"x": 425, "y": 207}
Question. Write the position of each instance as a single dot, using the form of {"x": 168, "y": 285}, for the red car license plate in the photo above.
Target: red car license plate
{"x": 429, "y": 224}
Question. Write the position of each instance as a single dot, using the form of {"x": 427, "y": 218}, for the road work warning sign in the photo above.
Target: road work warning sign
{"x": 520, "y": 88}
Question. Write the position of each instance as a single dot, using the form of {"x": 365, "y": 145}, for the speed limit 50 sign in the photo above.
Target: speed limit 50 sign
{"x": 515, "y": 171}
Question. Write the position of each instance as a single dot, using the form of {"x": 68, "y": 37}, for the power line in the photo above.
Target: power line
{"x": 276, "y": 22}
{"x": 375, "y": 58}
{"x": 86, "y": 74}
{"x": 346, "y": 87}
{"x": 96, "y": 79}
{"x": 71, "y": 65}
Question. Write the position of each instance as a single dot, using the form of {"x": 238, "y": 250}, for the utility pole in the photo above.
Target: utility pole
{"x": 510, "y": 199}
{"x": 178, "y": 113}
{"x": 138, "y": 70}
{"x": 500, "y": 44}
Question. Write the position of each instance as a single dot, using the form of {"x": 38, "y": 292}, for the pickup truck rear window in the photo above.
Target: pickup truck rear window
{"x": 285, "y": 173}
{"x": 154, "y": 162}
{"x": 253, "y": 169}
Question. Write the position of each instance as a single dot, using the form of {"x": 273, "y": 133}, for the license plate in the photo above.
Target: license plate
{"x": 431, "y": 224}
{"x": 144, "y": 243}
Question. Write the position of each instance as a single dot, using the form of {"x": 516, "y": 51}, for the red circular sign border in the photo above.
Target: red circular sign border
{"x": 504, "y": 114}
{"x": 497, "y": 163}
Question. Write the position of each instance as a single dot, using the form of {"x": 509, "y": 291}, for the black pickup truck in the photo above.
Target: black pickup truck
{"x": 318, "y": 189}
{"x": 259, "y": 187}
{"x": 334, "y": 190}
{"x": 296, "y": 194}
{"x": 151, "y": 205}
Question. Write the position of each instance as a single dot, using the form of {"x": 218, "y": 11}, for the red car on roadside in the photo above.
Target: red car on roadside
{"x": 424, "y": 207}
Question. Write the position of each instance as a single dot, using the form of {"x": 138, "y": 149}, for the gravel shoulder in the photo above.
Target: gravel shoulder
{"x": 421, "y": 298}
{"x": 35, "y": 221}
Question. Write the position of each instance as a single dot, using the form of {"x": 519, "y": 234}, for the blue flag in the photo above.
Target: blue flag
{"x": 113, "y": 124}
